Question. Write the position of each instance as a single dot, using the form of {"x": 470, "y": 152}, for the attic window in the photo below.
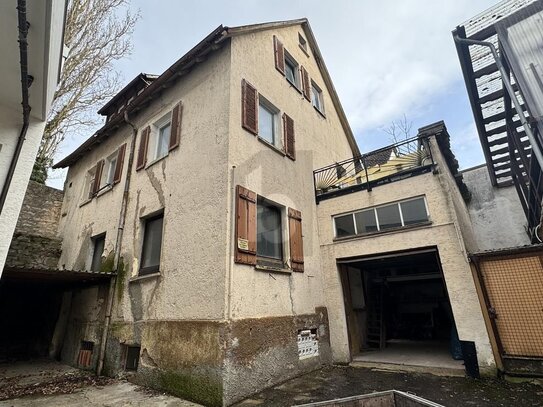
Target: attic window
{"x": 302, "y": 43}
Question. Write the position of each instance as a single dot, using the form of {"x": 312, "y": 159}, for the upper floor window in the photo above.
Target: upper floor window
{"x": 152, "y": 244}
{"x": 108, "y": 175}
{"x": 159, "y": 138}
{"x": 261, "y": 118}
{"x": 268, "y": 123}
{"x": 316, "y": 97}
{"x": 89, "y": 183}
{"x": 302, "y": 42}
{"x": 291, "y": 70}
{"x": 385, "y": 217}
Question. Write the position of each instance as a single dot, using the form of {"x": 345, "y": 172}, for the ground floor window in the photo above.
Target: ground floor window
{"x": 152, "y": 244}
{"x": 269, "y": 234}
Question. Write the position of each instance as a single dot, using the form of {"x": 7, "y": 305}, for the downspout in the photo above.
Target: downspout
{"x": 25, "y": 84}
{"x": 118, "y": 243}
{"x": 510, "y": 90}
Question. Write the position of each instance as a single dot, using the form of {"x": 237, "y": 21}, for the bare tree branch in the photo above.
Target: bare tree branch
{"x": 97, "y": 33}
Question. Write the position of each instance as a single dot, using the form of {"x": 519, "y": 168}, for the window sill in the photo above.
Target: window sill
{"x": 384, "y": 232}
{"x": 272, "y": 146}
{"x": 86, "y": 201}
{"x": 273, "y": 269}
{"x": 145, "y": 277}
{"x": 105, "y": 190}
{"x": 156, "y": 160}
{"x": 293, "y": 85}
{"x": 318, "y": 111}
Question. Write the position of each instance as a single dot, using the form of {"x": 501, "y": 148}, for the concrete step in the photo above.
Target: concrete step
{"x": 393, "y": 367}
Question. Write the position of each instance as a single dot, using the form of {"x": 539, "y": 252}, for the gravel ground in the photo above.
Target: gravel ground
{"x": 336, "y": 382}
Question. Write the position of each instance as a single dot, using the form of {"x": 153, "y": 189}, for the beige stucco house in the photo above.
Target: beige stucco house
{"x": 238, "y": 262}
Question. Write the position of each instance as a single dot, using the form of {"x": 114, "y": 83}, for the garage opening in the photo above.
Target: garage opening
{"x": 398, "y": 310}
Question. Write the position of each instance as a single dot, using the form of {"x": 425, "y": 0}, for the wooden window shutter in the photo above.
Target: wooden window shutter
{"x": 142, "y": 152}
{"x": 279, "y": 55}
{"x": 119, "y": 165}
{"x": 97, "y": 176}
{"x": 288, "y": 131}
{"x": 306, "y": 85}
{"x": 245, "y": 226}
{"x": 249, "y": 107}
{"x": 175, "y": 133}
{"x": 296, "y": 240}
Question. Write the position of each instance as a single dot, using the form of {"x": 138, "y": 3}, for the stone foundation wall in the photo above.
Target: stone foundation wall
{"x": 216, "y": 363}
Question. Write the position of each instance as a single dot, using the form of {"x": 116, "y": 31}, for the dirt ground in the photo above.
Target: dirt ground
{"x": 336, "y": 382}
{"x": 44, "y": 383}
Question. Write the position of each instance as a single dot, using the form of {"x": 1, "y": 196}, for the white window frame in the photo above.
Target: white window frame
{"x": 319, "y": 97}
{"x": 89, "y": 183}
{"x": 277, "y": 133}
{"x": 289, "y": 59}
{"x": 398, "y": 203}
{"x": 110, "y": 165}
{"x": 156, "y": 127}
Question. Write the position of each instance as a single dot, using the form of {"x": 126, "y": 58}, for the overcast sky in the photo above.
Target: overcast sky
{"x": 387, "y": 58}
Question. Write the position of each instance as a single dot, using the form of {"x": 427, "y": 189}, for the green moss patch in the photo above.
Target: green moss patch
{"x": 195, "y": 388}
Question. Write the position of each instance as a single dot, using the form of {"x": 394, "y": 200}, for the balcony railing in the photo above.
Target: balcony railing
{"x": 388, "y": 164}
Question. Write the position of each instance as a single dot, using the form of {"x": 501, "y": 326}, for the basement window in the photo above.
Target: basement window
{"x": 84, "y": 359}
{"x": 131, "y": 357}
{"x": 381, "y": 218}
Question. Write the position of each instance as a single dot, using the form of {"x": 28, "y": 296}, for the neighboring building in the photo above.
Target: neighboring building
{"x": 506, "y": 95}
{"x": 36, "y": 60}
{"x": 494, "y": 210}
{"x": 395, "y": 233}
{"x": 502, "y": 61}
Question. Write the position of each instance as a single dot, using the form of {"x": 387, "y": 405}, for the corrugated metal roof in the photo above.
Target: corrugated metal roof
{"x": 22, "y": 273}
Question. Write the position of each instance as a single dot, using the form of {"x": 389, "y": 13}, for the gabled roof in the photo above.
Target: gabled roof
{"x": 212, "y": 42}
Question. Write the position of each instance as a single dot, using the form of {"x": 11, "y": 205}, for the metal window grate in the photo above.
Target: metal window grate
{"x": 84, "y": 358}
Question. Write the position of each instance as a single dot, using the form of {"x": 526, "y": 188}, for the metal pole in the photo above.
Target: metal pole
{"x": 510, "y": 90}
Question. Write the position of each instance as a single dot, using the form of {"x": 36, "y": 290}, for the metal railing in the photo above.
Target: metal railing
{"x": 388, "y": 164}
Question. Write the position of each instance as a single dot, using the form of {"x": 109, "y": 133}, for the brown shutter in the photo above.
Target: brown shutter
{"x": 288, "y": 131}
{"x": 249, "y": 108}
{"x": 119, "y": 165}
{"x": 279, "y": 55}
{"x": 142, "y": 152}
{"x": 245, "y": 242}
{"x": 306, "y": 85}
{"x": 296, "y": 240}
{"x": 97, "y": 176}
{"x": 175, "y": 133}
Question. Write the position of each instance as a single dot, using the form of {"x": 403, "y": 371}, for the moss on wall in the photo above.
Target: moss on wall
{"x": 108, "y": 264}
{"x": 199, "y": 389}
{"x": 121, "y": 278}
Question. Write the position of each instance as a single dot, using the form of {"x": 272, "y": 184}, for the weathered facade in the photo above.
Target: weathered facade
{"x": 487, "y": 204}
{"x": 201, "y": 195}
{"x": 447, "y": 232}
{"x": 210, "y": 328}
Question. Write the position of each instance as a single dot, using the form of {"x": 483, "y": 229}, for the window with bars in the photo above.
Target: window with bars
{"x": 380, "y": 218}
